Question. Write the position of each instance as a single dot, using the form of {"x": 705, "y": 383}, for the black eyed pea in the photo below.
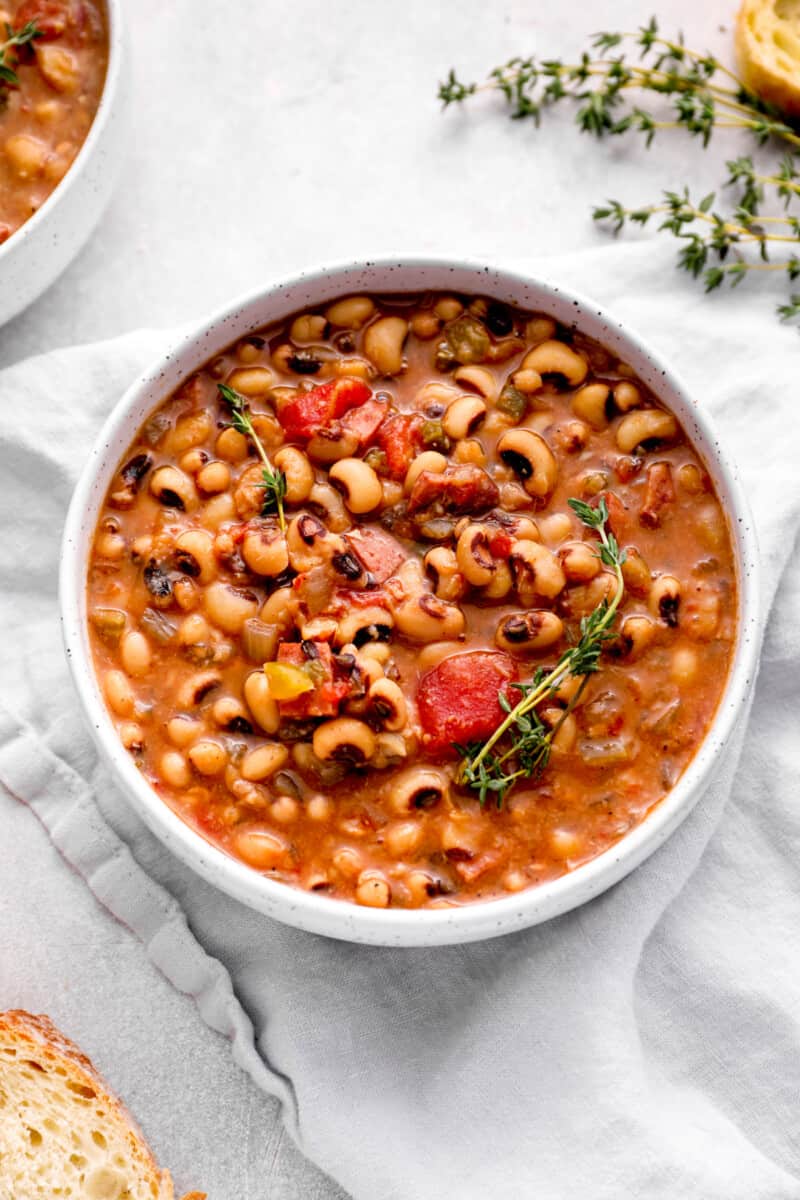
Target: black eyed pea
{"x": 207, "y": 757}
{"x": 554, "y": 528}
{"x": 530, "y": 457}
{"x": 196, "y": 688}
{"x": 664, "y": 600}
{"x": 174, "y": 769}
{"x": 565, "y": 727}
{"x": 637, "y": 633}
{"x": 250, "y": 349}
{"x": 187, "y": 432}
{"x": 417, "y": 788}
{"x": 425, "y": 618}
{"x": 536, "y": 572}
{"x": 350, "y": 313}
{"x": 110, "y": 546}
{"x": 447, "y": 308}
{"x": 119, "y": 693}
{"x": 402, "y": 838}
{"x": 182, "y": 731}
{"x": 308, "y": 327}
{"x": 684, "y": 665}
{"x": 134, "y": 652}
{"x": 309, "y": 543}
{"x": 383, "y": 344}
{"x": 387, "y": 704}
{"x": 263, "y": 849}
{"x": 435, "y": 392}
{"x": 701, "y": 612}
{"x": 194, "y": 555}
{"x": 232, "y": 445}
{"x": 319, "y": 629}
{"x": 526, "y": 381}
{"x": 264, "y": 761}
{"x": 636, "y": 573}
{"x": 344, "y": 739}
{"x": 470, "y": 450}
{"x": 529, "y": 632}
{"x": 392, "y": 493}
{"x": 298, "y": 472}
{"x": 540, "y": 329}
{"x": 425, "y": 325}
{"x": 228, "y": 607}
{"x": 279, "y": 608}
{"x": 441, "y": 565}
{"x": 579, "y": 562}
{"x": 463, "y": 417}
{"x": 473, "y": 555}
{"x": 626, "y": 396}
{"x": 132, "y": 736}
{"x": 173, "y": 489}
{"x": 501, "y": 582}
{"x": 213, "y": 478}
{"x": 251, "y": 381}
{"x": 328, "y": 503}
{"x": 428, "y": 460}
{"x": 264, "y": 548}
{"x": 371, "y": 624}
{"x": 645, "y": 425}
{"x": 556, "y": 358}
{"x": 478, "y": 379}
{"x": 193, "y": 630}
{"x": 218, "y": 510}
{"x": 571, "y": 436}
{"x": 568, "y": 689}
{"x": 229, "y": 713}
{"x": 372, "y": 889}
{"x": 319, "y": 807}
{"x": 263, "y": 708}
{"x": 358, "y": 484}
{"x": 590, "y": 404}
{"x": 193, "y": 460}
{"x": 330, "y": 444}
{"x": 431, "y": 655}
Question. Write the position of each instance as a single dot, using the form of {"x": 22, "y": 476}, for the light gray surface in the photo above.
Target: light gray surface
{"x": 268, "y": 137}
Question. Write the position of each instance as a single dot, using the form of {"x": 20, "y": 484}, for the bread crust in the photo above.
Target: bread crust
{"x": 769, "y": 64}
{"x": 37, "y": 1037}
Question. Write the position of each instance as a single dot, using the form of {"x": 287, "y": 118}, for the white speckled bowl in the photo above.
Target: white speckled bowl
{"x": 44, "y": 246}
{"x": 319, "y": 914}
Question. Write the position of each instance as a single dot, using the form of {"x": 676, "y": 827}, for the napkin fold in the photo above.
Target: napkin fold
{"x": 647, "y": 1044}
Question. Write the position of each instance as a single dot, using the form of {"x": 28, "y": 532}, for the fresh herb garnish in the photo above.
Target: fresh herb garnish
{"x": 19, "y": 37}
{"x": 520, "y": 746}
{"x": 697, "y": 94}
{"x": 273, "y": 480}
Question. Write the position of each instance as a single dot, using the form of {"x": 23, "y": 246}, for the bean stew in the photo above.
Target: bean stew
{"x": 338, "y": 557}
{"x": 53, "y": 59}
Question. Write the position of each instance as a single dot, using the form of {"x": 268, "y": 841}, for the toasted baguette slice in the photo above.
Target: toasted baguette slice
{"x": 768, "y": 50}
{"x": 62, "y": 1132}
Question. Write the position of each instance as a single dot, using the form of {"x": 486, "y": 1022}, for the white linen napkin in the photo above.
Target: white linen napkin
{"x": 647, "y": 1044}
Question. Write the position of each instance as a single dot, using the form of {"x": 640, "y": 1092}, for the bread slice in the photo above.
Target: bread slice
{"x": 768, "y": 50}
{"x": 62, "y": 1133}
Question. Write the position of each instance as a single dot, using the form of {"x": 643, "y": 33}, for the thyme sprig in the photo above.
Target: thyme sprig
{"x": 19, "y": 37}
{"x": 521, "y": 744}
{"x": 273, "y": 480}
{"x": 696, "y": 93}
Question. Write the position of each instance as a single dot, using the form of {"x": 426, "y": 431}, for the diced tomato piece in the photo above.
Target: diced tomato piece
{"x": 400, "y": 438}
{"x": 379, "y": 552}
{"x": 500, "y": 544}
{"x": 324, "y": 700}
{"x": 51, "y": 16}
{"x": 365, "y": 421}
{"x": 311, "y": 411}
{"x": 458, "y": 698}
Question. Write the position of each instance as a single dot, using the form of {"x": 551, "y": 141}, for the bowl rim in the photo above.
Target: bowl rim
{"x": 342, "y": 919}
{"x": 105, "y": 109}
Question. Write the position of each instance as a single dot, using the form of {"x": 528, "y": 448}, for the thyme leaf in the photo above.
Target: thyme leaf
{"x": 19, "y": 37}
{"x": 521, "y": 745}
{"x": 690, "y": 91}
{"x": 273, "y": 480}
